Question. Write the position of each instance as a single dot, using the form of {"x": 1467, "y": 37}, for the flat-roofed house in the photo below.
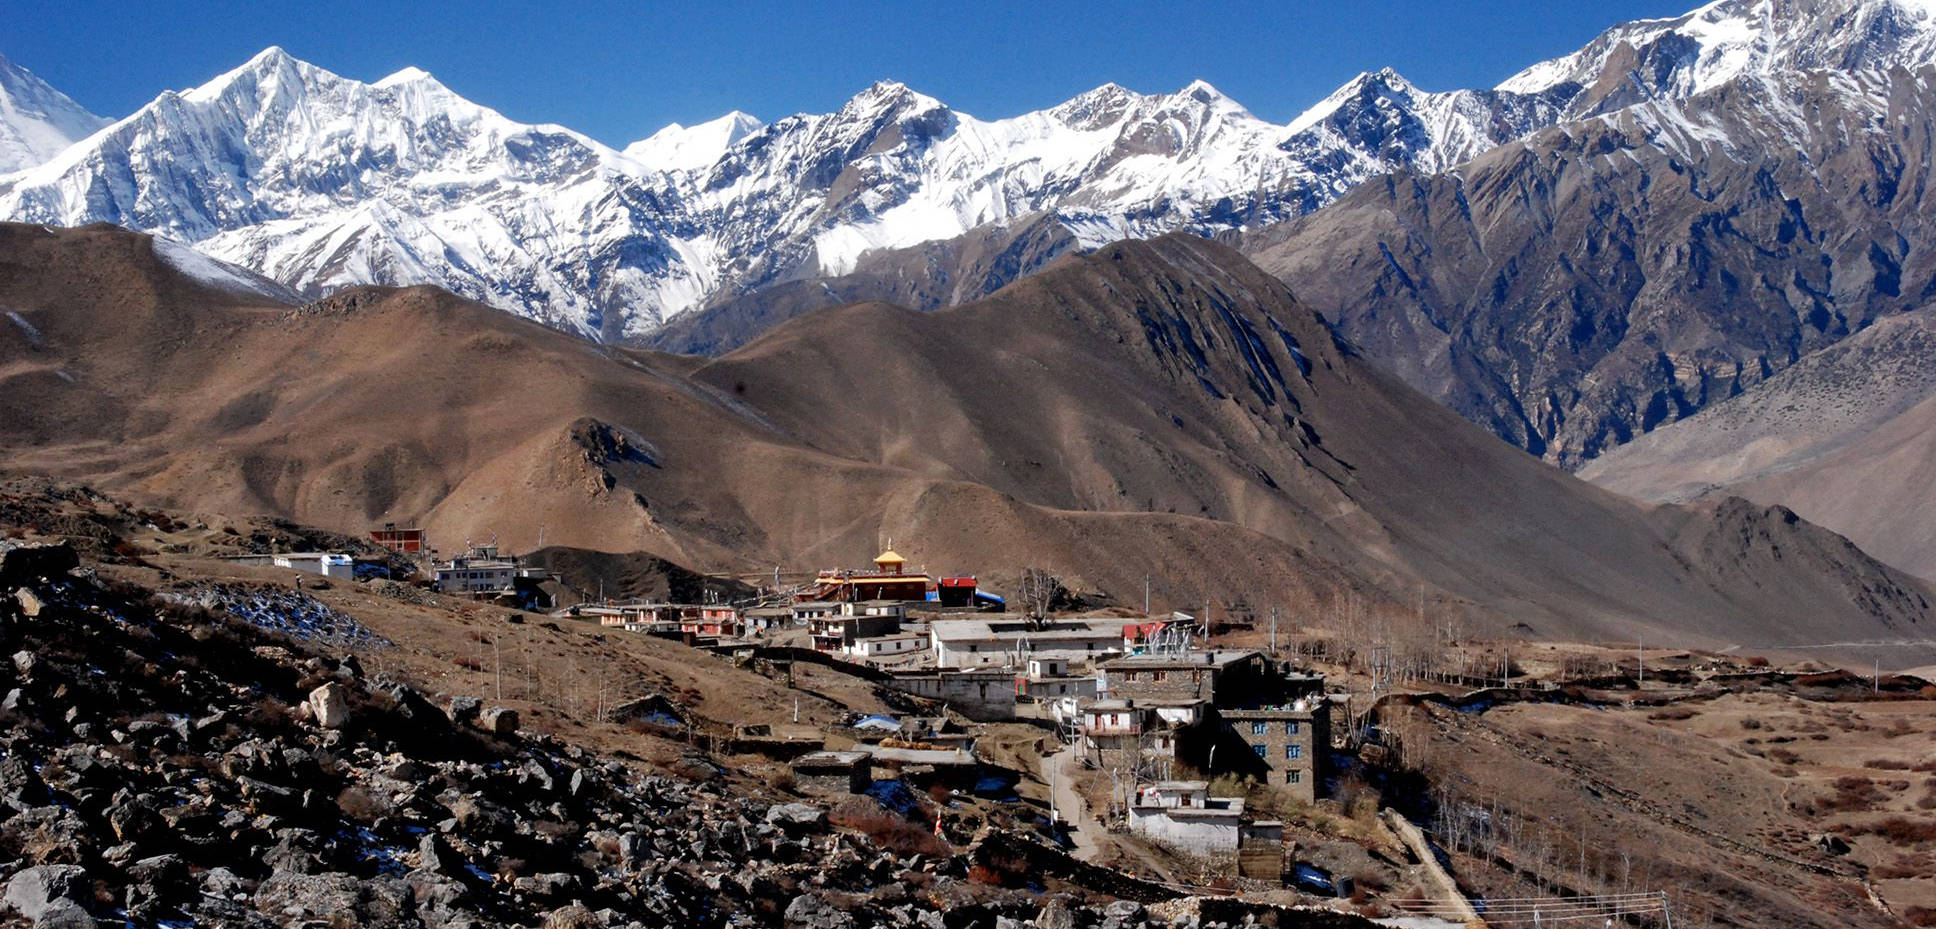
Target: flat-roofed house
{"x": 1012, "y": 641}
{"x": 1223, "y": 677}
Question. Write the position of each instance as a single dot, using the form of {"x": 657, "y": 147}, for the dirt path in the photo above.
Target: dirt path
{"x": 1084, "y": 829}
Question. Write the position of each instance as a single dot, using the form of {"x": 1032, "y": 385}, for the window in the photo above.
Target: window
{"x": 1293, "y": 751}
{"x": 1290, "y": 727}
{"x": 1259, "y": 727}
{"x": 1259, "y": 749}
{"x": 1292, "y": 777}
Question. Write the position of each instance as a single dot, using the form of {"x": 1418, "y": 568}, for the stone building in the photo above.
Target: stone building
{"x": 1288, "y": 743}
{"x": 1224, "y": 677}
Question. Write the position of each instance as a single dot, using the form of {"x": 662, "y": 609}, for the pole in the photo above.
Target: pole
{"x": 1146, "y": 592}
{"x": 1878, "y": 675}
{"x": 1640, "y": 656}
{"x": 1054, "y": 762}
{"x": 1273, "y": 633}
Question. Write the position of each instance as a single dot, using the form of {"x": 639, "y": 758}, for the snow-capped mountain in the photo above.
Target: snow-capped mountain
{"x": 319, "y": 181}
{"x": 689, "y": 148}
{"x": 1728, "y": 39}
{"x": 37, "y": 122}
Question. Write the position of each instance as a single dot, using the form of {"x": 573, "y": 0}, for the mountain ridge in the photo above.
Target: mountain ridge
{"x": 1157, "y": 408}
{"x": 1580, "y": 287}
{"x": 612, "y": 247}
{"x": 37, "y": 122}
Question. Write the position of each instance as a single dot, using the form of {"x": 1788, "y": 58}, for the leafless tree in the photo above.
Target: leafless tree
{"x": 1040, "y": 592}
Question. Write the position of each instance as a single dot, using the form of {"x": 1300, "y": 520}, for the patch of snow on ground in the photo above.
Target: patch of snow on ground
{"x": 219, "y": 275}
{"x": 33, "y": 334}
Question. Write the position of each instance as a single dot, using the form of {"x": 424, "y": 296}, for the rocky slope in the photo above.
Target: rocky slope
{"x": 1839, "y": 437}
{"x": 1602, "y": 278}
{"x": 168, "y": 764}
{"x": 319, "y": 181}
{"x": 1160, "y": 409}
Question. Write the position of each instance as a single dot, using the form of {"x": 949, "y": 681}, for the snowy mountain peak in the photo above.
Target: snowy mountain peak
{"x": 272, "y": 70}
{"x": 1201, "y": 92}
{"x": 37, "y": 122}
{"x": 888, "y": 97}
{"x": 408, "y": 75}
{"x": 1366, "y": 87}
{"x": 690, "y": 148}
{"x": 1730, "y": 39}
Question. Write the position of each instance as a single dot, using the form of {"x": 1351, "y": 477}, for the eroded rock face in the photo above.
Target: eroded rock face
{"x": 1593, "y": 281}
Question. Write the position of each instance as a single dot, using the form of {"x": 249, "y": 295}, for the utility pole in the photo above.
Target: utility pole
{"x": 1146, "y": 592}
{"x": 1273, "y": 633}
{"x": 1878, "y": 676}
{"x": 1054, "y": 763}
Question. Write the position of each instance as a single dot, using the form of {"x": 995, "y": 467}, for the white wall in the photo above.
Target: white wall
{"x": 1200, "y": 836}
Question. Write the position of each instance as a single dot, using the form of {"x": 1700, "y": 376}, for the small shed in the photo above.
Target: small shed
{"x": 834, "y": 772}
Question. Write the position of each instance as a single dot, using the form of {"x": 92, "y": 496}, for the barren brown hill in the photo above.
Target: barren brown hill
{"x": 1844, "y": 437}
{"x": 1159, "y": 408}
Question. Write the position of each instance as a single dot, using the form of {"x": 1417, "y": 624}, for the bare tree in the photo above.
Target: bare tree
{"x": 1040, "y": 593}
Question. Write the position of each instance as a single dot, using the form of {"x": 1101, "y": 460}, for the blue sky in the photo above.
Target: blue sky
{"x": 617, "y": 71}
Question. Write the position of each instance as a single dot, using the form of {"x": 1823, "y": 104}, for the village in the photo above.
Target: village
{"x": 1138, "y": 702}
{"x": 1204, "y": 757}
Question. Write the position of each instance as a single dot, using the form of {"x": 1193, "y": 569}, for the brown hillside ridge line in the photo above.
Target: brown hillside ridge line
{"x": 1843, "y": 437}
{"x": 1159, "y": 408}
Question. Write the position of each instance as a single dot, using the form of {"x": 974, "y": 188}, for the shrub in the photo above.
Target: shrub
{"x": 866, "y": 816}
{"x": 1900, "y": 830}
{"x": 357, "y": 804}
{"x": 1852, "y": 792}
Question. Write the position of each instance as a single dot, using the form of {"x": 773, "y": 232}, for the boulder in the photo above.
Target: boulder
{"x": 797, "y": 817}
{"x": 30, "y": 602}
{"x": 415, "y": 708}
{"x": 810, "y": 912}
{"x": 46, "y": 891}
{"x": 465, "y": 710}
{"x": 24, "y": 562}
{"x": 329, "y": 706}
{"x": 501, "y": 721}
{"x": 435, "y": 856}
